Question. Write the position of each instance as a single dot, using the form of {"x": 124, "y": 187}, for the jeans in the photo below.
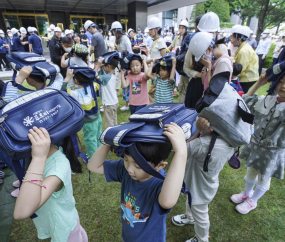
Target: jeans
{"x": 136, "y": 108}
{"x": 260, "y": 64}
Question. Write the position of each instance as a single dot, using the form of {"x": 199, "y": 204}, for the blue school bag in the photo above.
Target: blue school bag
{"x": 126, "y": 60}
{"x": 146, "y": 125}
{"x": 40, "y": 67}
{"x": 110, "y": 55}
{"x": 165, "y": 60}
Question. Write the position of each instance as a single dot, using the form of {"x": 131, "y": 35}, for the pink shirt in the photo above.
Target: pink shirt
{"x": 138, "y": 89}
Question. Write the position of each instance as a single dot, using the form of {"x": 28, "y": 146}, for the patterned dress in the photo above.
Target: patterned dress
{"x": 266, "y": 150}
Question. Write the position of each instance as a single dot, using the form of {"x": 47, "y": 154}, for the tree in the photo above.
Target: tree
{"x": 221, "y": 8}
{"x": 198, "y": 9}
{"x": 270, "y": 13}
{"x": 233, "y": 4}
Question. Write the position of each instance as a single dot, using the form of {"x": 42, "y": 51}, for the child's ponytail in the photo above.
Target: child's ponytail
{"x": 70, "y": 153}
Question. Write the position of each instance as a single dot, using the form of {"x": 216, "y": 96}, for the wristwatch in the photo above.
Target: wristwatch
{"x": 208, "y": 69}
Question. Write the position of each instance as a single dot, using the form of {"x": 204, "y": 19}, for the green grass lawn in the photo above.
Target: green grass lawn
{"x": 98, "y": 205}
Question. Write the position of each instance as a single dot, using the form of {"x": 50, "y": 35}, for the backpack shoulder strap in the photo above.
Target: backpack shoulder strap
{"x": 212, "y": 143}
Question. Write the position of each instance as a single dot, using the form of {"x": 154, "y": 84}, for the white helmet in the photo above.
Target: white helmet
{"x": 146, "y": 30}
{"x": 235, "y": 27}
{"x": 30, "y": 29}
{"x": 8, "y": 30}
{"x": 200, "y": 43}
{"x": 14, "y": 31}
{"x": 116, "y": 25}
{"x": 1, "y": 31}
{"x": 23, "y": 30}
{"x": 35, "y": 29}
{"x": 52, "y": 26}
{"x": 184, "y": 23}
{"x": 251, "y": 32}
{"x": 175, "y": 29}
{"x": 153, "y": 23}
{"x": 57, "y": 29}
{"x": 67, "y": 31}
{"x": 209, "y": 22}
{"x": 254, "y": 36}
{"x": 71, "y": 30}
{"x": 87, "y": 24}
{"x": 48, "y": 29}
{"x": 130, "y": 30}
{"x": 243, "y": 30}
{"x": 222, "y": 31}
{"x": 267, "y": 31}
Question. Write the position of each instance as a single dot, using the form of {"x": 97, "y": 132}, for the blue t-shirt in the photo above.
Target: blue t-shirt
{"x": 17, "y": 44}
{"x": 2, "y": 48}
{"x": 139, "y": 38}
{"x": 36, "y": 44}
{"x": 89, "y": 36}
{"x": 143, "y": 219}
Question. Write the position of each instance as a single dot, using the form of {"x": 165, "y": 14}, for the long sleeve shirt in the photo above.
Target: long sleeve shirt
{"x": 263, "y": 47}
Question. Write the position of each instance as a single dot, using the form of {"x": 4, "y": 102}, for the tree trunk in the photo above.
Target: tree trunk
{"x": 261, "y": 18}
{"x": 277, "y": 30}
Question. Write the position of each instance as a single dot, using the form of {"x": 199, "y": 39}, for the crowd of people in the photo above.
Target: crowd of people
{"x": 151, "y": 76}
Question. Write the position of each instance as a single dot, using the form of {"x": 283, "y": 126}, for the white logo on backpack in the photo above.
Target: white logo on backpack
{"x": 28, "y": 121}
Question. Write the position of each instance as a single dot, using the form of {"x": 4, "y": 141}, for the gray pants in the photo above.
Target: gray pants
{"x": 202, "y": 222}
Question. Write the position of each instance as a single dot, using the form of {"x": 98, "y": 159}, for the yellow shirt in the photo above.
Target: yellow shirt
{"x": 246, "y": 56}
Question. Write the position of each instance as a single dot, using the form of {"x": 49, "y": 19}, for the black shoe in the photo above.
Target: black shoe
{"x": 1, "y": 69}
{"x": 8, "y": 69}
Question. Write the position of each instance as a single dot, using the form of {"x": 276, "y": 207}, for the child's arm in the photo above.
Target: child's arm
{"x": 98, "y": 65}
{"x": 145, "y": 65}
{"x": 261, "y": 81}
{"x": 172, "y": 73}
{"x": 125, "y": 82}
{"x": 173, "y": 181}
{"x": 30, "y": 47}
{"x": 11, "y": 91}
{"x": 149, "y": 73}
{"x": 96, "y": 163}
{"x": 69, "y": 75}
{"x": 62, "y": 61}
{"x": 31, "y": 196}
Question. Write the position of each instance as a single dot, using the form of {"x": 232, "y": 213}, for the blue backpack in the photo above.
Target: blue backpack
{"x": 40, "y": 67}
{"x": 146, "y": 125}
{"x": 126, "y": 60}
{"x": 165, "y": 60}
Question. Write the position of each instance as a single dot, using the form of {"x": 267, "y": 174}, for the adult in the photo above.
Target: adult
{"x": 56, "y": 40}
{"x": 231, "y": 47}
{"x": 279, "y": 47}
{"x": 58, "y": 50}
{"x": 139, "y": 37}
{"x": 246, "y": 56}
{"x": 83, "y": 37}
{"x": 110, "y": 39}
{"x": 131, "y": 35}
{"x": 25, "y": 38}
{"x": 9, "y": 38}
{"x": 122, "y": 43}
{"x": 183, "y": 26}
{"x": 52, "y": 27}
{"x": 167, "y": 40}
{"x": 175, "y": 33}
{"x": 158, "y": 47}
{"x": 147, "y": 39}
{"x": 18, "y": 44}
{"x": 263, "y": 48}
{"x": 68, "y": 33}
{"x": 251, "y": 41}
{"x": 34, "y": 42}
{"x": 3, "y": 51}
{"x": 98, "y": 46}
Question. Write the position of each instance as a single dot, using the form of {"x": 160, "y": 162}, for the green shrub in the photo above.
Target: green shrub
{"x": 226, "y": 25}
{"x": 191, "y": 28}
{"x": 269, "y": 58}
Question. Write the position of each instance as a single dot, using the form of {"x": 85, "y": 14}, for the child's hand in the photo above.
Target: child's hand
{"x": 262, "y": 80}
{"x": 25, "y": 72}
{"x": 69, "y": 74}
{"x": 202, "y": 124}
{"x": 173, "y": 61}
{"x": 40, "y": 142}
{"x": 144, "y": 58}
{"x": 65, "y": 55}
{"x": 123, "y": 70}
{"x": 176, "y": 136}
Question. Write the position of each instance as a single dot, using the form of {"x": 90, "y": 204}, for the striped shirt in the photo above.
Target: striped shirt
{"x": 163, "y": 92}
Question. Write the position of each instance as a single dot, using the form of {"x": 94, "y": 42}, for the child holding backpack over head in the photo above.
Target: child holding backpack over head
{"x": 265, "y": 153}
{"x": 92, "y": 127}
{"x": 165, "y": 83}
{"x": 136, "y": 80}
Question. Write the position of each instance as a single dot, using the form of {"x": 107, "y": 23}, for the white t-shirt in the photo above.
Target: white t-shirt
{"x": 157, "y": 45}
{"x": 111, "y": 40}
{"x": 75, "y": 61}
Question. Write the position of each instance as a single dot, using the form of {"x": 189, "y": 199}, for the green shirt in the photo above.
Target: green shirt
{"x": 57, "y": 218}
{"x": 163, "y": 92}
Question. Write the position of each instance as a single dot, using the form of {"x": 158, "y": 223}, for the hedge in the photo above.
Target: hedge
{"x": 226, "y": 25}
{"x": 269, "y": 58}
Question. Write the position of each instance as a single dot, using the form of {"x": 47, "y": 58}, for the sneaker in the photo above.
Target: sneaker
{"x": 15, "y": 193}
{"x": 246, "y": 206}
{"x": 16, "y": 183}
{"x": 241, "y": 197}
{"x": 8, "y": 69}
{"x": 102, "y": 109}
{"x": 124, "y": 108}
{"x": 181, "y": 220}
{"x": 194, "y": 239}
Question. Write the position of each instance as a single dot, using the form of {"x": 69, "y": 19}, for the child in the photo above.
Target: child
{"x": 237, "y": 68}
{"x": 137, "y": 81}
{"x": 92, "y": 127}
{"x": 165, "y": 83}
{"x": 202, "y": 185}
{"x": 47, "y": 190}
{"x": 145, "y": 200}
{"x": 265, "y": 153}
{"x": 108, "y": 90}
{"x": 80, "y": 54}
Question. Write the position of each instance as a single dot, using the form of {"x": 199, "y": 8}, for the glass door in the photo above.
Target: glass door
{"x": 77, "y": 24}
